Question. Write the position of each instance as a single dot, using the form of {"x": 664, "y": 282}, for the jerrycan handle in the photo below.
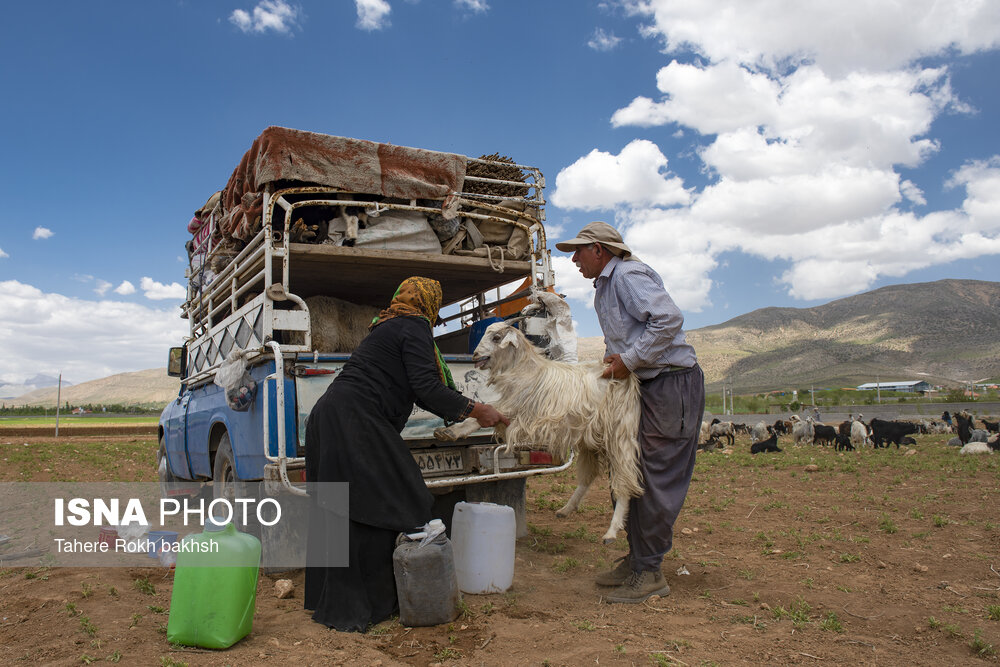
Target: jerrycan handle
{"x": 428, "y": 533}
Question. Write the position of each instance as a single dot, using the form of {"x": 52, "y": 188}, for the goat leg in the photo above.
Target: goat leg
{"x": 617, "y": 520}
{"x": 586, "y": 471}
{"x": 574, "y": 501}
{"x": 462, "y": 429}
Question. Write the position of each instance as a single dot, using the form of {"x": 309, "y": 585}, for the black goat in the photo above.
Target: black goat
{"x": 843, "y": 442}
{"x": 964, "y": 422}
{"x": 769, "y": 445}
{"x": 823, "y": 434}
{"x": 885, "y": 432}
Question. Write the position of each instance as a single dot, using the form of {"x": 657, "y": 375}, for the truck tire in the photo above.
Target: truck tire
{"x": 226, "y": 484}
{"x": 163, "y": 466}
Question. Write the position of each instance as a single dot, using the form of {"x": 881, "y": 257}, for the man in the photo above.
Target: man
{"x": 643, "y": 335}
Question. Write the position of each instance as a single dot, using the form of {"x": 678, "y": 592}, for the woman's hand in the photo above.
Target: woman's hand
{"x": 487, "y": 415}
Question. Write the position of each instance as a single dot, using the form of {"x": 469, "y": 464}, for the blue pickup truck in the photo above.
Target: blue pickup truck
{"x": 348, "y": 221}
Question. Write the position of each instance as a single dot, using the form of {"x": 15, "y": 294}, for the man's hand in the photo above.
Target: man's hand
{"x": 615, "y": 367}
{"x": 487, "y": 415}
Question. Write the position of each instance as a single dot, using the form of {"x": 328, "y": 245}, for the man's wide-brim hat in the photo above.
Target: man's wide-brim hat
{"x": 597, "y": 232}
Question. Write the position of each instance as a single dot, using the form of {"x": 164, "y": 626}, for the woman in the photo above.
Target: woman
{"x": 353, "y": 435}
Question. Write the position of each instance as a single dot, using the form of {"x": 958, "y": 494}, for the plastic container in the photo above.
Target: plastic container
{"x": 157, "y": 538}
{"x": 478, "y": 329}
{"x": 212, "y": 603}
{"x": 425, "y": 578}
{"x": 108, "y": 535}
{"x": 483, "y": 536}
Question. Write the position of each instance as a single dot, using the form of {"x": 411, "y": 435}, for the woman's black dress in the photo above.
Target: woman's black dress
{"x": 353, "y": 435}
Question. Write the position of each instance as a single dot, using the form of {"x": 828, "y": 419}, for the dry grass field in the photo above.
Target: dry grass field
{"x": 808, "y": 557}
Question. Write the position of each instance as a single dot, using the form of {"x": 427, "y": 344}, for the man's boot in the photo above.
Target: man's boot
{"x": 639, "y": 587}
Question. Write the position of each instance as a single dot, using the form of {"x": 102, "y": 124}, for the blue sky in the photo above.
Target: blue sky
{"x": 754, "y": 154}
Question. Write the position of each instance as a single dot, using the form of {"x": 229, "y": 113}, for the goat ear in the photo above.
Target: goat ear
{"x": 510, "y": 338}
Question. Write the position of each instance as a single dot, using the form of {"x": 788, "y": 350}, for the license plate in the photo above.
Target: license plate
{"x": 440, "y": 461}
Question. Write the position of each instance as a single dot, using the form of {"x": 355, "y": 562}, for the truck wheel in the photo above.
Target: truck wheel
{"x": 163, "y": 467}
{"x": 226, "y": 484}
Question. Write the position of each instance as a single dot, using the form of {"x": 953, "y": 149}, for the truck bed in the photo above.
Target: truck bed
{"x": 361, "y": 275}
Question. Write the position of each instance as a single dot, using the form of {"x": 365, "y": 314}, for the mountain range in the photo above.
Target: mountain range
{"x": 10, "y": 390}
{"x": 945, "y": 332}
{"x": 152, "y": 386}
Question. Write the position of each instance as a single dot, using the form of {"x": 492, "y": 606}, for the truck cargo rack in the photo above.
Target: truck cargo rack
{"x": 238, "y": 307}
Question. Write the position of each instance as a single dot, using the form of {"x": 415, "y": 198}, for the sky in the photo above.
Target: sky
{"x": 754, "y": 152}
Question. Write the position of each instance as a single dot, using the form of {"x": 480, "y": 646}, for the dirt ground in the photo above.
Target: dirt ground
{"x": 875, "y": 557}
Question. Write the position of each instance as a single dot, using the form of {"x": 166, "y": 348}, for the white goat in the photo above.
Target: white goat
{"x": 859, "y": 434}
{"x": 563, "y": 407}
{"x": 704, "y": 432}
{"x": 759, "y": 432}
{"x": 975, "y": 448}
{"x": 338, "y": 325}
{"x": 723, "y": 430}
{"x": 802, "y": 431}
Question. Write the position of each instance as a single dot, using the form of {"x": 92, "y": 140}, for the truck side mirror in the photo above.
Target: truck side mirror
{"x": 177, "y": 362}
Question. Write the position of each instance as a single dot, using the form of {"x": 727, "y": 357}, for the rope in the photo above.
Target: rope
{"x": 489, "y": 255}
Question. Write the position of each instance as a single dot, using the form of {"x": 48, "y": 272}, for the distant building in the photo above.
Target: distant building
{"x": 910, "y": 385}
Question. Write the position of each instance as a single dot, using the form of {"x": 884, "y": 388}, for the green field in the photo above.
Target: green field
{"x": 80, "y": 420}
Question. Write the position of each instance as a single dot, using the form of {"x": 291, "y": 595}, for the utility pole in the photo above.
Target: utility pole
{"x": 58, "y": 397}
{"x": 878, "y": 390}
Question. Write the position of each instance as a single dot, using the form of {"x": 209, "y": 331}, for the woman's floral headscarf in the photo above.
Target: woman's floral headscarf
{"x": 418, "y": 297}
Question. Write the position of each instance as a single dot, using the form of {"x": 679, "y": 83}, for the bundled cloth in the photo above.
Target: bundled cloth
{"x": 354, "y": 165}
{"x": 234, "y": 377}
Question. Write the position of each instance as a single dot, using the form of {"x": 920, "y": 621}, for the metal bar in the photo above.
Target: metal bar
{"x": 281, "y": 459}
{"x": 475, "y": 479}
{"x": 513, "y": 297}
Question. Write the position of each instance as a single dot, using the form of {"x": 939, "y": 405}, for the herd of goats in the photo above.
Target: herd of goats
{"x": 853, "y": 433}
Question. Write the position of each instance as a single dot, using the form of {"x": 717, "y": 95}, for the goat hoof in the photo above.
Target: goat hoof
{"x": 609, "y": 540}
{"x": 444, "y": 434}
{"x": 562, "y": 514}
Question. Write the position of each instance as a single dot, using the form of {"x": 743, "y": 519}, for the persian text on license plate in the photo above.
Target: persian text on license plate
{"x": 439, "y": 461}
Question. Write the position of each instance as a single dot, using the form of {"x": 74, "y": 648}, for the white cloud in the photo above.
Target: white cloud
{"x": 839, "y": 37}
{"x": 372, "y": 14}
{"x": 635, "y": 176}
{"x": 276, "y": 15}
{"x": 708, "y": 99}
{"x": 477, "y": 6}
{"x": 799, "y": 121}
{"x": 48, "y": 333}
{"x": 807, "y": 112}
{"x": 913, "y": 193}
{"x": 570, "y": 281}
{"x": 798, "y": 202}
{"x": 125, "y": 288}
{"x": 102, "y": 287}
{"x": 3, "y": 254}
{"x": 603, "y": 41}
{"x": 158, "y": 291}
{"x": 981, "y": 180}
{"x": 42, "y": 233}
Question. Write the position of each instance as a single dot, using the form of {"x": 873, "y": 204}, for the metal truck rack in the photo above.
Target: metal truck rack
{"x": 258, "y": 298}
